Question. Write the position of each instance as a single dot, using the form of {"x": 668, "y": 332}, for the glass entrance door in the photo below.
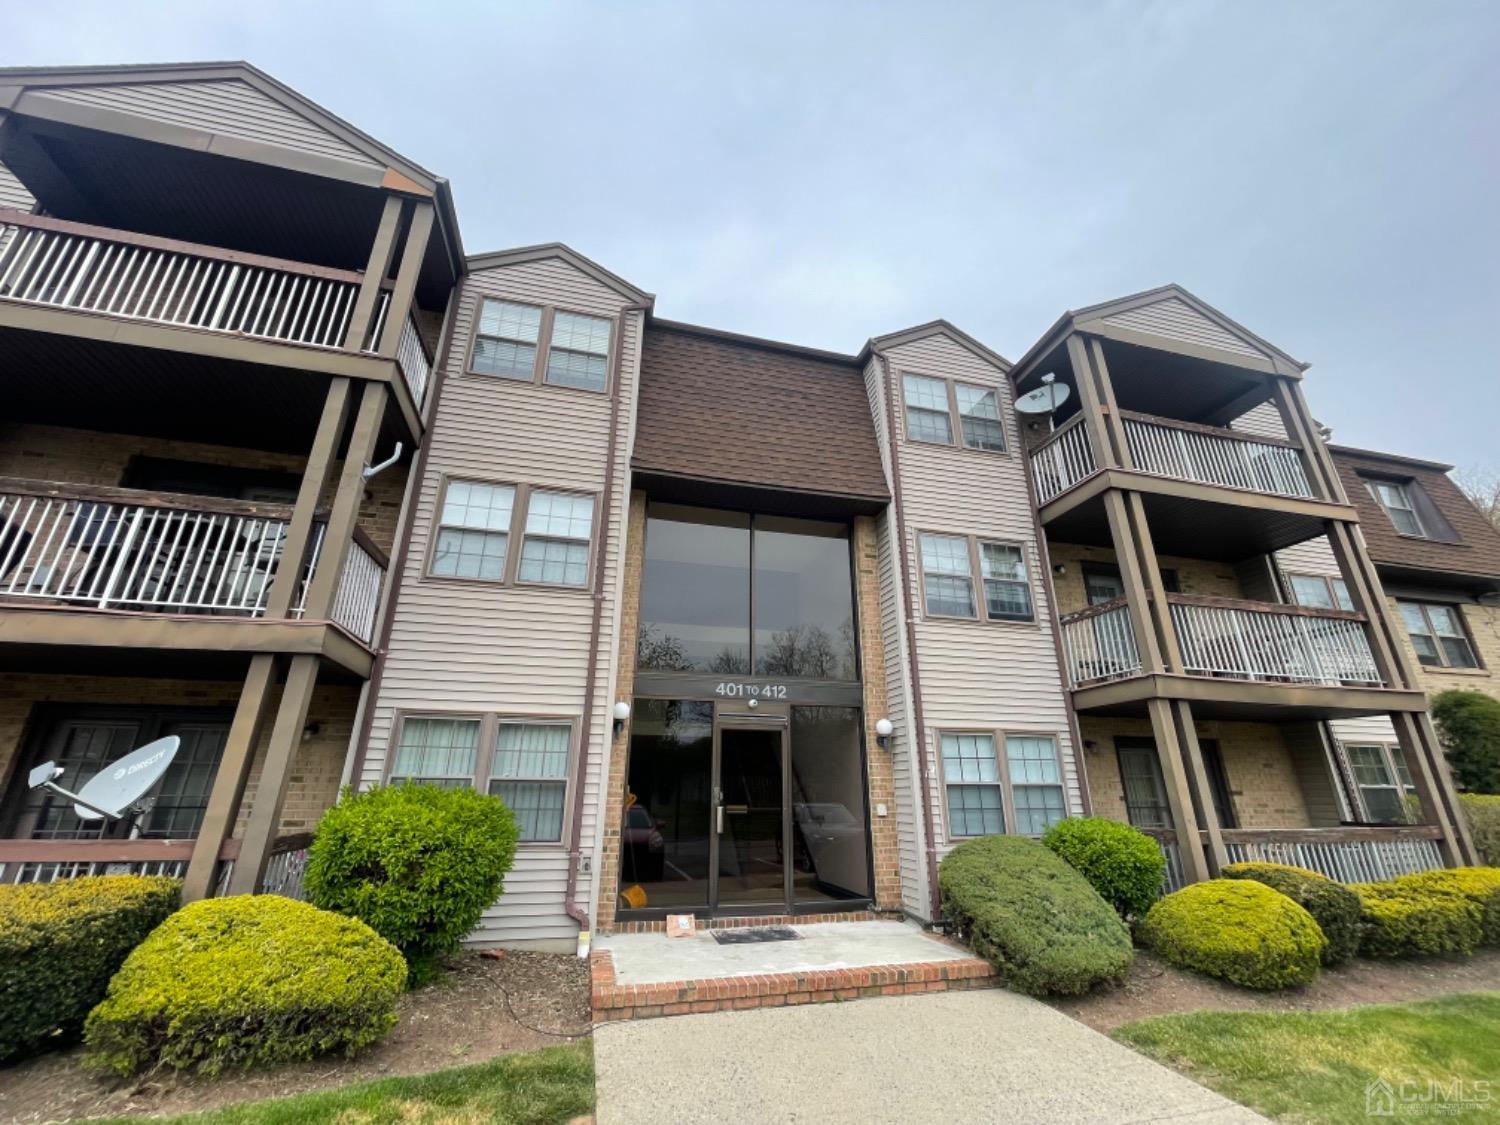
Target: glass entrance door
{"x": 751, "y": 822}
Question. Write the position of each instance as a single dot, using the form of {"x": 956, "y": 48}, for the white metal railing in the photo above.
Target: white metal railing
{"x": 411, "y": 354}
{"x": 1183, "y": 451}
{"x": 284, "y": 872}
{"x": 1275, "y": 644}
{"x": 93, "y": 269}
{"x": 53, "y": 871}
{"x": 1099, "y": 644}
{"x": 358, "y": 594}
{"x": 1334, "y": 854}
{"x": 1061, "y": 461}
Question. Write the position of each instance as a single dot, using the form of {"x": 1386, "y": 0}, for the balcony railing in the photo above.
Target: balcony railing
{"x": 1349, "y": 855}
{"x": 1062, "y": 460}
{"x": 115, "y": 548}
{"x": 1208, "y": 455}
{"x": 1099, "y": 644}
{"x": 51, "y": 861}
{"x": 1270, "y": 643}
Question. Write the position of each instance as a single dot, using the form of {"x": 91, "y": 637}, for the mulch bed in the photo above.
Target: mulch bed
{"x": 480, "y": 1007}
{"x": 1155, "y": 988}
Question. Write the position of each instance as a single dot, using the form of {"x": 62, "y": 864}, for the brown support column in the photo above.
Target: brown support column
{"x": 229, "y": 782}
{"x": 406, "y": 276}
{"x": 1128, "y": 558}
{"x": 1151, "y": 571}
{"x": 345, "y": 511}
{"x": 1208, "y": 815}
{"x": 1304, "y": 432}
{"x": 1195, "y": 867}
{"x": 270, "y": 794}
{"x": 1112, "y": 418}
{"x": 1319, "y": 449}
{"x": 299, "y": 533}
{"x": 1091, "y": 406}
{"x": 1384, "y": 645}
{"x": 1420, "y": 762}
{"x": 379, "y": 265}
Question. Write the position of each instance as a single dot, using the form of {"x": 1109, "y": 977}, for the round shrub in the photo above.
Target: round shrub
{"x": 1479, "y": 885}
{"x": 1469, "y": 723}
{"x": 1334, "y": 907}
{"x": 1482, "y": 811}
{"x": 1402, "y": 920}
{"x": 1239, "y": 930}
{"x": 1032, "y": 917}
{"x": 417, "y": 863}
{"x": 1124, "y": 865}
{"x": 252, "y": 980}
{"x": 59, "y": 945}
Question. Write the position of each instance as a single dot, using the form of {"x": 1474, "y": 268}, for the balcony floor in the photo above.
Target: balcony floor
{"x": 1244, "y": 700}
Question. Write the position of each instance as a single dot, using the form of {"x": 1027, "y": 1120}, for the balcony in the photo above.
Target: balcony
{"x": 118, "y": 549}
{"x": 1350, "y": 854}
{"x": 82, "y": 268}
{"x": 50, "y": 861}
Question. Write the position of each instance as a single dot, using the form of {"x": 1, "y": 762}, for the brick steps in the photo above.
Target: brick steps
{"x": 614, "y": 1001}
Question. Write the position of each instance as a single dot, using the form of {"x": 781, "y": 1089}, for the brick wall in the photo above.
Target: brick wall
{"x": 61, "y": 453}
{"x": 1194, "y": 576}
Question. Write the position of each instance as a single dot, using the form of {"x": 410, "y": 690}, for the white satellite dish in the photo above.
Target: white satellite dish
{"x": 119, "y": 787}
{"x": 1046, "y": 398}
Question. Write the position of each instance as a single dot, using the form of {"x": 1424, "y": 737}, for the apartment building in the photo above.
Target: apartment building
{"x": 736, "y": 627}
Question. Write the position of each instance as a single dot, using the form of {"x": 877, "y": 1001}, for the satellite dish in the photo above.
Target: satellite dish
{"x": 111, "y": 792}
{"x": 1046, "y": 398}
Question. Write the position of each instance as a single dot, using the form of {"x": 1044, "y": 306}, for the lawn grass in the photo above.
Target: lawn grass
{"x": 1316, "y": 1066}
{"x": 545, "y": 1087}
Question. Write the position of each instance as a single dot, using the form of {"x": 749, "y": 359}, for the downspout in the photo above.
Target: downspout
{"x": 934, "y": 904}
{"x": 585, "y": 730}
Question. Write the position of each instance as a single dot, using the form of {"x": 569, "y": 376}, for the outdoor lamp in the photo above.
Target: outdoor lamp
{"x": 883, "y": 731}
{"x": 622, "y": 712}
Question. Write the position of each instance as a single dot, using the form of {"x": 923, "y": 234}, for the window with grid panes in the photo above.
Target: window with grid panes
{"x": 579, "y": 352}
{"x": 440, "y": 752}
{"x": 182, "y": 794}
{"x": 1007, "y": 593}
{"x": 1035, "y": 782}
{"x": 1383, "y": 786}
{"x": 506, "y": 341}
{"x": 979, "y": 417}
{"x": 947, "y": 577}
{"x": 529, "y": 773}
{"x": 1319, "y": 592}
{"x": 1395, "y": 498}
{"x": 971, "y": 776}
{"x": 927, "y": 417}
{"x": 555, "y": 545}
{"x": 473, "y": 530}
{"x": 1437, "y": 633}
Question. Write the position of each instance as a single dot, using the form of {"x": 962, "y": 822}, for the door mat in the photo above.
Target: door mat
{"x": 762, "y": 933}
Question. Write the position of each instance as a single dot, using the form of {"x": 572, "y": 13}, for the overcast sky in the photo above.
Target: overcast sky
{"x": 1326, "y": 173}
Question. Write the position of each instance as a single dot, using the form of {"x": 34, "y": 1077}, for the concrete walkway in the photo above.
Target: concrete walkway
{"x": 947, "y": 1057}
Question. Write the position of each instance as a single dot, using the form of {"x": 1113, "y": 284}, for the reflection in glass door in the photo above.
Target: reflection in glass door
{"x": 751, "y": 818}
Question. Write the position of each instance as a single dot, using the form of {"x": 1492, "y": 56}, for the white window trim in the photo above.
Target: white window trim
{"x": 543, "y": 345}
{"x": 516, "y": 533}
{"x": 998, "y": 736}
{"x": 955, "y": 415}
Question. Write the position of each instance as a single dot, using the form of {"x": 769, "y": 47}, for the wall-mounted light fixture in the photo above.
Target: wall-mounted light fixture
{"x": 622, "y": 712}
{"x": 311, "y": 731}
{"x": 883, "y": 731}
{"x": 1059, "y": 568}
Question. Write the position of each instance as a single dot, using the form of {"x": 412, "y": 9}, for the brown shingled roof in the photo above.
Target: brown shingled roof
{"x": 717, "y": 407}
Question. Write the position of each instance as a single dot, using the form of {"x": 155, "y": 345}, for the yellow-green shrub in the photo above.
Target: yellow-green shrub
{"x": 1479, "y": 885}
{"x": 1482, "y": 811}
{"x": 59, "y": 945}
{"x": 251, "y": 980}
{"x": 1402, "y": 920}
{"x": 1334, "y": 907}
{"x": 1239, "y": 930}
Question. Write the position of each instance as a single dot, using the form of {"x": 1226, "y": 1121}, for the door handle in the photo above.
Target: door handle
{"x": 720, "y": 813}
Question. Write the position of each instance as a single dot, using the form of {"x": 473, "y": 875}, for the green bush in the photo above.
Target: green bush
{"x": 1479, "y": 885}
{"x": 1334, "y": 907}
{"x": 252, "y": 980}
{"x": 1411, "y": 921}
{"x": 1482, "y": 811}
{"x": 1469, "y": 724}
{"x": 1032, "y": 917}
{"x": 417, "y": 863}
{"x": 1237, "y": 929}
{"x": 59, "y": 945}
{"x": 1124, "y": 865}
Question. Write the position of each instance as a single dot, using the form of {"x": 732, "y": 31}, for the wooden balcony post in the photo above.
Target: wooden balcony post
{"x": 229, "y": 781}
{"x": 1156, "y": 589}
{"x": 1447, "y": 792}
{"x": 406, "y": 277}
{"x": 1208, "y": 814}
{"x": 375, "y": 272}
{"x": 1091, "y": 406}
{"x": 1136, "y": 603}
{"x": 1429, "y": 775}
{"x": 1302, "y": 430}
{"x": 1195, "y": 867}
{"x": 1112, "y": 419}
{"x": 1385, "y": 646}
{"x": 1317, "y": 445}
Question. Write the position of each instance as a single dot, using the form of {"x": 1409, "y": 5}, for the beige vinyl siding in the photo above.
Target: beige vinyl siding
{"x": 910, "y": 831}
{"x": 977, "y": 675}
{"x": 1262, "y": 421}
{"x": 229, "y": 107}
{"x": 1321, "y": 793}
{"x": 13, "y": 193}
{"x": 515, "y": 650}
{"x": 1174, "y": 319}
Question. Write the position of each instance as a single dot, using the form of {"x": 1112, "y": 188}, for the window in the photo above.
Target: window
{"x": 1146, "y": 804}
{"x": 1395, "y": 497}
{"x": 1384, "y": 784}
{"x": 529, "y": 772}
{"x": 579, "y": 355}
{"x": 1437, "y": 633}
{"x": 1102, "y": 582}
{"x": 1035, "y": 782}
{"x": 1319, "y": 592}
{"x": 937, "y": 408}
{"x": 949, "y": 563}
{"x": 1007, "y": 594}
{"x": 555, "y": 548}
{"x": 473, "y": 531}
{"x": 507, "y": 339}
{"x": 972, "y": 778}
{"x": 436, "y": 752}
{"x": 947, "y": 579}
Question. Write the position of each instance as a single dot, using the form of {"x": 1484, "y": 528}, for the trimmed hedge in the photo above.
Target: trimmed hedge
{"x": 1403, "y": 920}
{"x": 1334, "y": 907}
{"x": 1482, "y": 811}
{"x": 419, "y": 864}
{"x": 1123, "y": 864}
{"x": 1032, "y": 917}
{"x": 252, "y": 980}
{"x": 59, "y": 945}
{"x": 1239, "y": 930}
{"x": 1479, "y": 885}
{"x": 1469, "y": 724}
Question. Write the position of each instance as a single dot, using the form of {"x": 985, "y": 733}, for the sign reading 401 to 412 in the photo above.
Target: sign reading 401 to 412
{"x": 735, "y": 689}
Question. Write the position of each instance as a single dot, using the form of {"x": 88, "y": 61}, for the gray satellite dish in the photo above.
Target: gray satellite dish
{"x": 1046, "y": 398}
{"x": 117, "y": 788}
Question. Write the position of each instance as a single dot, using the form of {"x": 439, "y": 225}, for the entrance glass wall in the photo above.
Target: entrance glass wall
{"x": 664, "y": 834}
{"x": 830, "y": 850}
